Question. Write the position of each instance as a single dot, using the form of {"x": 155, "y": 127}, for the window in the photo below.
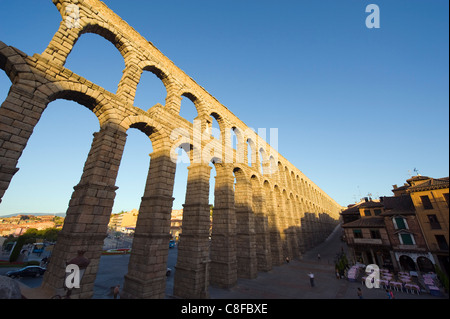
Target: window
{"x": 442, "y": 242}
{"x": 446, "y": 199}
{"x": 377, "y": 212}
{"x": 357, "y": 233}
{"x": 434, "y": 223}
{"x": 426, "y": 202}
{"x": 400, "y": 223}
{"x": 375, "y": 234}
{"x": 407, "y": 239}
{"x": 367, "y": 212}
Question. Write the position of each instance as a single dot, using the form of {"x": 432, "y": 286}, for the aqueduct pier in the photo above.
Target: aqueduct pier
{"x": 263, "y": 212}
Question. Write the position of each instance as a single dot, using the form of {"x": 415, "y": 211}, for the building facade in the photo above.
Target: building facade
{"x": 366, "y": 234}
{"x": 408, "y": 231}
{"x": 431, "y": 201}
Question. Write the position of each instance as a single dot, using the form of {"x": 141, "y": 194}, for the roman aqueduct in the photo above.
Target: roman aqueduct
{"x": 262, "y": 214}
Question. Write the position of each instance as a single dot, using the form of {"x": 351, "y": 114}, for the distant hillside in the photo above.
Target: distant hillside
{"x": 34, "y": 214}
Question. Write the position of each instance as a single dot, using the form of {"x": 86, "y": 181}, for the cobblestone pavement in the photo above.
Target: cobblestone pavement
{"x": 291, "y": 281}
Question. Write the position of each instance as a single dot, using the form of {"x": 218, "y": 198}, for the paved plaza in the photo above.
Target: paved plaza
{"x": 291, "y": 281}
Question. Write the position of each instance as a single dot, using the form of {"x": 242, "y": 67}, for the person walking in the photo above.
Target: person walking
{"x": 116, "y": 291}
{"x": 359, "y": 293}
{"x": 311, "y": 279}
{"x": 318, "y": 257}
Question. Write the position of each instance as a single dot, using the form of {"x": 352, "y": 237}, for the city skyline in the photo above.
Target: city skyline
{"x": 357, "y": 110}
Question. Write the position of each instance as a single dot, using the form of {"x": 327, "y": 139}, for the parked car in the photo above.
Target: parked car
{"x": 29, "y": 271}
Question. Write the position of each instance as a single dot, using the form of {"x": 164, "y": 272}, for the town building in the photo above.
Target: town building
{"x": 408, "y": 231}
{"x": 366, "y": 233}
{"x": 125, "y": 222}
{"x": 431, "y": 201}
{"x": 409, "y": 251}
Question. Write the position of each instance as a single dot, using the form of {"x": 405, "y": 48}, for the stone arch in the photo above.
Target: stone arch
{"x": 70, "y": 31}
{"x": 196, "y": 99}
{"x": 240, "y": 173}
{"x": 221, "y": 121}
{"x": 149, "y": 127}
{"x": 425, "y": 264}
{"x": 264, "y": 161}
{"x": 252, "y": 153}
{"x": 287, "y": 177}
{"x": 407, "y": 263}
{"x": 292, "y": 180}
{"x": 273, "y": 165}
{"x": 132, "y": 76}
{"x": 98, "y": 101}
{"x": 240, "y": 145}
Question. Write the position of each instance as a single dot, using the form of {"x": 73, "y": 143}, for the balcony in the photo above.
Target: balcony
{"x": 409, "y": 247}
{"x": 368, "y": 241}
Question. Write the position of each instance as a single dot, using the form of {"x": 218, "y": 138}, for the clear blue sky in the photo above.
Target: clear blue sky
{"x": 356, "y": 109}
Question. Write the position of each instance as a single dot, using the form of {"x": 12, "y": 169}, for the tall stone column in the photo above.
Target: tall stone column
{"x": 89, "y": 211}
{"x": 146, "y": 277}
{"x": 263, "y": 252}
{"x": 19, "y": 114}
{"x": 283, "y": 220}
{"x": 191, "y": 271}
{"x": 276, "y": 249}
{"x": 246, "y": 235}
{"x": 223, "y": 242}
{"x": 292, "y": 228}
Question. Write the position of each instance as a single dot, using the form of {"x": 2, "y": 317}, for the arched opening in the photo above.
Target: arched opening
{"x": 215, "y": 126}
{"x": 293, "y": 184}
{"x": 406, "y": 263}
{"x": 425, "y": 265}
{"x": 251, "y": 152}
{"x": 263, "y": 161}
{"x": 53, "y": 160}
{"x": 212, "y": 185}
{"x": 97, "y": 60}
{"x": 181, "y": 176}
{"x": 5, "y": 85}
{"x": 132, "y": 171}
{"x": 273, "y": 165}
{"x": 150, "y": 90}
{"x": 287, "y": 177}
{"x": 234, "y": 139}
{"x": 131, "y": 180}
{"x": 188, "y": 110}
{"x": 237, "y": 141}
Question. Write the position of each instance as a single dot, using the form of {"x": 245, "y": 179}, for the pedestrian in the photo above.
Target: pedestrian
{"x": 311, "y": 279}
{"x": 116, "y": 291}
{"x": 359, "y": 293}
{"x": 287, "y": 260}
{"x": 318, "y": 257}
{"x": 390, "y": 294}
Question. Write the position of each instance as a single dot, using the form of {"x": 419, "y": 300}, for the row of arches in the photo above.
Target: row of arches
{"x": 258, "y": 218}
{"x": 248, "y": 146}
